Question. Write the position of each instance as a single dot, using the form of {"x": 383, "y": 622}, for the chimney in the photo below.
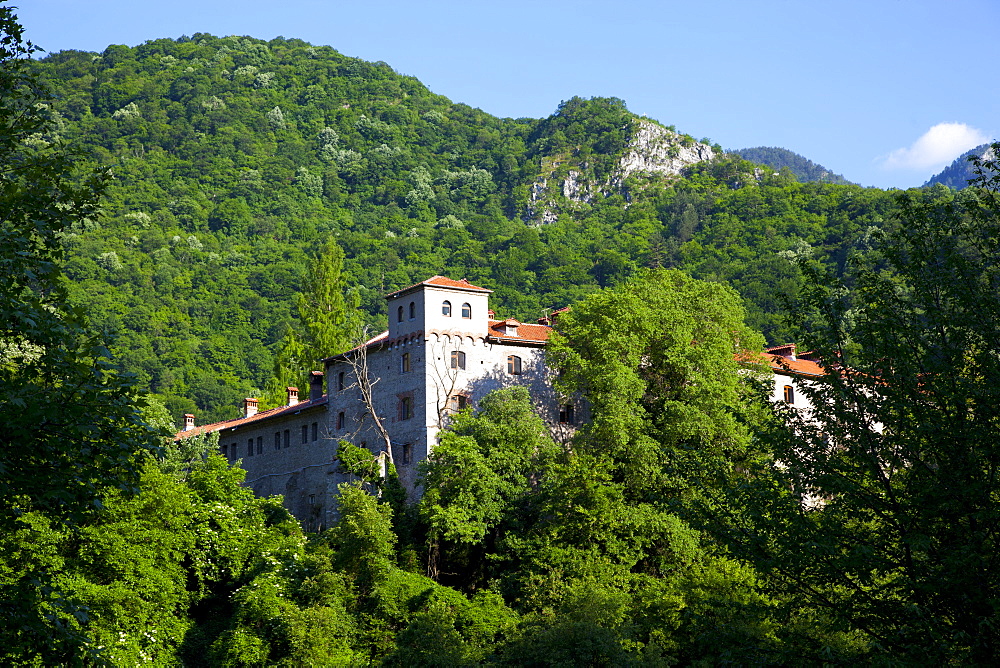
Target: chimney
{"x": 293, "y": 395}
{"x": 188, "y": 422}
{"x": 315, "y": 385}
{"x": 249, "y": 407}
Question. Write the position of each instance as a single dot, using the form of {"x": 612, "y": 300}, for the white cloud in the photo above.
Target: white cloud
{"x": 936, "y": 148}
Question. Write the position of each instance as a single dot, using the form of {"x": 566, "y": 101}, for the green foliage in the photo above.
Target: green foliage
{"x": 781, "y": 158}
{"x": 217, "y": 210}
{"x": 658, "y": 360}
{"x": 899, "y": 460}
{"x": 329, "y": 324}
{"x": 961, "y": 172}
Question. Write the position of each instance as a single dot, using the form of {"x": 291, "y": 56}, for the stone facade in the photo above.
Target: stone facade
{"x": 443, "y": 351}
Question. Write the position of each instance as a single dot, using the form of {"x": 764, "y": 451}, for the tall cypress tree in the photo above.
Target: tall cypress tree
{"x": 327, "y": 323}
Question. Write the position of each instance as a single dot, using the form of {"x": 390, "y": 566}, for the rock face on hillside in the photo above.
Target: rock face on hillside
{"x": 654, "y": 151}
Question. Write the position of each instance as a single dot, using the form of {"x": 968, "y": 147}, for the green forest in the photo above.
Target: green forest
{"x": 171, "y": 215}
{"x": 233, "y": 161}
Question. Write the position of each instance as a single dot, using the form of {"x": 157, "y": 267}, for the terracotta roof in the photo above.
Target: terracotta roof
{"x": 441, "y": 282}
{"x": 799, "y": 367}
{"x": 263, "y": 415}
{"x": 525, "y": 331}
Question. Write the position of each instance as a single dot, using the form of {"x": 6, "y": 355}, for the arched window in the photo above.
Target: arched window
{"x": 413, "y": 310}
{"x": 789, "y": 394}
{"x": 457, "y": 359}
{"x": 399, "y": 314}
{"x": 446, "y": 308}
{"x": 466, "y": 310}
{"x": 514, "y": 365}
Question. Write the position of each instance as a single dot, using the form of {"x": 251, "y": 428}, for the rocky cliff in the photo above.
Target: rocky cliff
{"x": 656, "y": 152}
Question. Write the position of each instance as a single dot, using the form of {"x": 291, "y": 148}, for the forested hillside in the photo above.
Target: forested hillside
{"x": 958, "y": 174}
{"x": 803, "y": 168}
{"x": 235, "y": 160}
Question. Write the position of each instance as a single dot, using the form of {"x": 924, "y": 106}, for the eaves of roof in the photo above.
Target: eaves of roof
{"x": 281, "y": 411}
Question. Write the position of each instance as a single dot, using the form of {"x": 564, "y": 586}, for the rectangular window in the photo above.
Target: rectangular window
{"x": 514, "y": 365}
{"x": 405, "y": 408}
{"x": 312, "y": 499}
{"x": 458, "y": 402}
{"x": 249, "y": 447}
{"x": 404, "y": 363}
{"x": 260, "y": 445}
{"x": 789, "y": 394}
{"x": 457, "y": 359}
{"x": 315, "y": 432}
{"x": 277, "y": 440}
{"x": 407, "y": 452}
{"x": 305, "y": 434}
{"x": 222, "y": 450}
{"x": 340, "y": 381}
{"x": 566, "y": 414}
{"x": 341, "y": 420}
{"x": 288, "y": 438}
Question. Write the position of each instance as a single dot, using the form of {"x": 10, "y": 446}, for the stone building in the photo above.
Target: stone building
{"x": 443, "y": 351}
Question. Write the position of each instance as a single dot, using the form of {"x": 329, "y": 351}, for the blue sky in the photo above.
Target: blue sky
{"x": 885, "y": 92}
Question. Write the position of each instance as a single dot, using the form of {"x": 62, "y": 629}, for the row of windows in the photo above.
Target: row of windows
{"x": 282, "y": 439}
{"x": 445, "y": 311}
{"x": 456, "y": 361}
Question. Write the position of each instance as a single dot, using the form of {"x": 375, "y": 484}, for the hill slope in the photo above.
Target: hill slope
{"x": 805, "y": 170}
{"x": 235, "y": 159}
{"x": 959, "y": 172}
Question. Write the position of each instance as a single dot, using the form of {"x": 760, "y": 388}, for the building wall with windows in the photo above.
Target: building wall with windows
{"x": 443, "y": 352}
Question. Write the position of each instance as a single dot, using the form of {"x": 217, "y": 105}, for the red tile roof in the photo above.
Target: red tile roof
{"x": 263, "y": 415}
{"x": 798, "y": 367}
{"x": 525, "y": 332}
{"x": 441, "y": 282}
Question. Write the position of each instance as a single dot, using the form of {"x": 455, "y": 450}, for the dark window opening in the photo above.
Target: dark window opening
{"x": 514, "y": 365}
{"x": 260, "y": 445}
{"x": 305, "y": 434}
{"x": 404, "y": 363}
{"x": 407, "y": 452}
{"x": 249, "y": 447}
{"x": 340, "y": 420}
{"x": 413, "y": 311}
{"x": 277, "y": 440}
{"x": 457, "y": 359}
{"x": 446, "y": 308}
{"x": 458, "y": 402}
{"x": 466, "y": 310}
{"x": 288, "y": 438}
{"x": 399, "y": 314}
{"x": 340, "y": 381}
{"x": 315, "y": 431}
{"x": 789, "y": 394}
{"x": 405, "y": 408}
{"x": 566, "y": 414}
